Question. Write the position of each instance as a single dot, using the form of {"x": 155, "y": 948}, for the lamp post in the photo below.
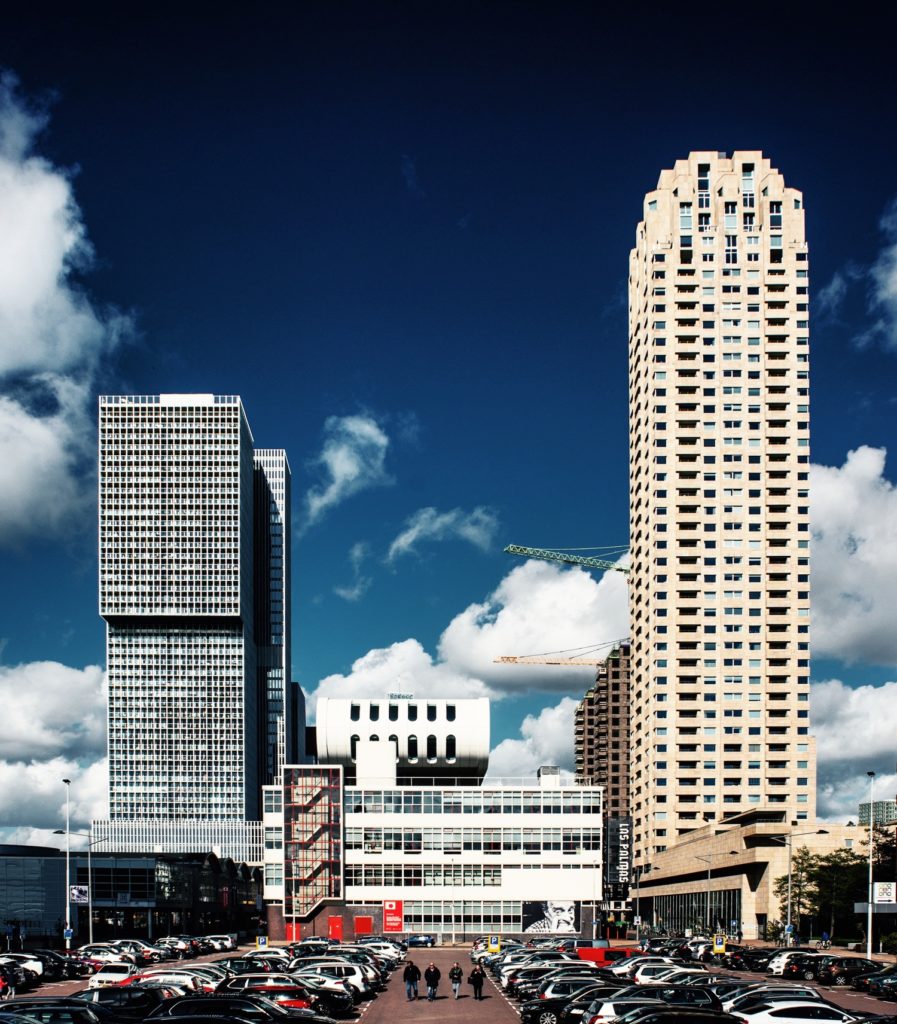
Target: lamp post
{"x": 789, "y": 842}
{"x": 871, "y": 847}
{"x": 90, "y": 844}
{"x": 68, "y": 858}
{"x": 709, "y": 862}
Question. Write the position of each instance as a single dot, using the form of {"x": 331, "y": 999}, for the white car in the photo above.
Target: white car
{"x": 797, "y": 1012}
{"x": 769, "y": 993}
{"x": 228, "y": 942}
{"x": 30, "y": 963}
{"x": 647, "y": 973}
{"x": 633, "y": 963}
{"x": 352, "y": 974}
{"x": 181, "y": 977}
{"x": 776, "y": 966}
{"x": 112, "y": 974}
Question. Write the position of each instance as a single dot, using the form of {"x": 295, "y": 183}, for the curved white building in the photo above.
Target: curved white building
{"x": 434, "y": 737}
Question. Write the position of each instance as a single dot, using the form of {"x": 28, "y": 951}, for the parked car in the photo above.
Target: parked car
{"x": 421, "y": 940}
{"x": 112, "y": 974}
{"x": 841, "y": 970}
{"x": 797, "y": 1012}
{"x": 659, "y": 1014}
{"x": 861, "y": 981}
{"x": 131, "y": 1002}
{"x": 252, "y": 1009}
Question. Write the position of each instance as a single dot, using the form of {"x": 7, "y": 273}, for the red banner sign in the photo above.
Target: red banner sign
{"x": 393, "y": 916}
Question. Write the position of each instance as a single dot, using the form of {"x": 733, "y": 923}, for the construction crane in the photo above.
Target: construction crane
{"x": 587, "y": 561}
{"x": 588, "y": 657}
{"x": 534, "y": 659}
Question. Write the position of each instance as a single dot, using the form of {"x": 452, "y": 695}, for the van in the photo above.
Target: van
{"x": 605, "y": 955}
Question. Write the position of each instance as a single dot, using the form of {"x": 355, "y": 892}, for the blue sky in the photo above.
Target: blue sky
{"x": 401, "y": 233}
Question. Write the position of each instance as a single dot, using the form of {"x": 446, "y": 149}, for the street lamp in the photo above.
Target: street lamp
{"x": 709, "y": 862}
{"x": 68, "y": 856}
{"x": 90, "y": 843}
{"x": 869, "y": 907}
{"x": 788, "y": 841}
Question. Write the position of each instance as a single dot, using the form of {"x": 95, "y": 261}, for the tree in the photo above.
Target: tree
{"x": 840, "y": 881}
{"x": 804, "y": 893}
{"x": 884, "y": 853}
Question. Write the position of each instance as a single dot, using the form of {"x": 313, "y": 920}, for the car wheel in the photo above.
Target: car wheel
{"x": 841, "y": 979}
{"x": 548, "y": 1017}
{"x": 809, "y": 975}
{"x": 431, "y": 943}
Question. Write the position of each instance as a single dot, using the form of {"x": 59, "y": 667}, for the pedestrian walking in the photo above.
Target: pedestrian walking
{"x": 411, "y": 976}
{"x": 431, "y": 976}
{"x": 456, "y": 976}
{"x": 476, "y": 978}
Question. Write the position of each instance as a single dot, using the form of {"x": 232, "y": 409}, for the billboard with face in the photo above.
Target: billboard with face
{"x": 551, "y": 917}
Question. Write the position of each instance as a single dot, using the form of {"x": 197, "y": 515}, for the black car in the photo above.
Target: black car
{"x": 127, "y": 1002}
{"x": 677, "y": 1015}
{"x": 841, "y": 970}
{"x": 254, "y": 1009}
{"x": 678, "y": 995}
{"x": 861, "y": 981}
{"x": 61, "y": 1011}
{"x": 549, "y": 1010}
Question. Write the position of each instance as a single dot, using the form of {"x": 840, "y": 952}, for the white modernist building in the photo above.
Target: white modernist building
{"x": 194, "y": 590}
{"x": 420, "y": 824}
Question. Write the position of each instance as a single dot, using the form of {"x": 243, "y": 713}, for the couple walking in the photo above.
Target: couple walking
{"x": 411, "y": 977}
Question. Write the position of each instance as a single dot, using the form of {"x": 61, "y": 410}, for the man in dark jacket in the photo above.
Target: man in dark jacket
{"x": 476, "y": 978}
{"x": 431, "y": 976}
{"x": 411, "y": 976}
{"x": 456, "y": 976}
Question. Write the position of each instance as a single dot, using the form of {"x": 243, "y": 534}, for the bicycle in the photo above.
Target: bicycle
{"x": 823, "y": 943}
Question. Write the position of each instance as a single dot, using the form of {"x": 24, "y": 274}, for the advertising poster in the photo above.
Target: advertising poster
{"x": 551, "y": 917}
{"x": 393, "y": 916}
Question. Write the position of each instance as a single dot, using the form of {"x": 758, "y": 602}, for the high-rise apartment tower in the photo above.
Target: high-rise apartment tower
{"x": 719, "y": 526}
{"x": 194, "y": 589}
{"x": 601, "y": 733}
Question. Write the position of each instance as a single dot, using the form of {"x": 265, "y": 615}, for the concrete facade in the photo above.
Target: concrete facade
{"x": 719, "y": 524}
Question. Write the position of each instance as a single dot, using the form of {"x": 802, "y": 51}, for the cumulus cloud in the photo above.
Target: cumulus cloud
{"x": 546, "y": 739}
{"x": 360, "y": 585}
{"x": 352, "y": 459}
{"x": 537, "y": 607}
{"x": 34, "y": 792}
{"x": 428, "y": 524}
{"x": 403, "y": 667}
{"x": 52, "y": 336}
{"x": 853, "y": 515}
{"x": 52, "y": 710}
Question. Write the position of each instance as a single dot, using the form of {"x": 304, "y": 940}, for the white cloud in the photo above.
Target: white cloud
{"x": 537, "y": 607}
{"x": 52, "y": 337}
{"x": 882, "y": 280}
{"x": 352, "y": 459}
{"x": 360, "y": 585}
{"x": 853, "y": 515}
{"x": 547, "y": 739}
{"x": 34, "y": 793}
{"x": 429, "y": 524}
{"x": 856, "y": 732}
{"x": 402, "y": 667}
{"x": 51, "y": 710}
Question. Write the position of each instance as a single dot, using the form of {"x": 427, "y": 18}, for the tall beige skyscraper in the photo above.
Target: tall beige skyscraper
{"x": 719, "y": 466}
